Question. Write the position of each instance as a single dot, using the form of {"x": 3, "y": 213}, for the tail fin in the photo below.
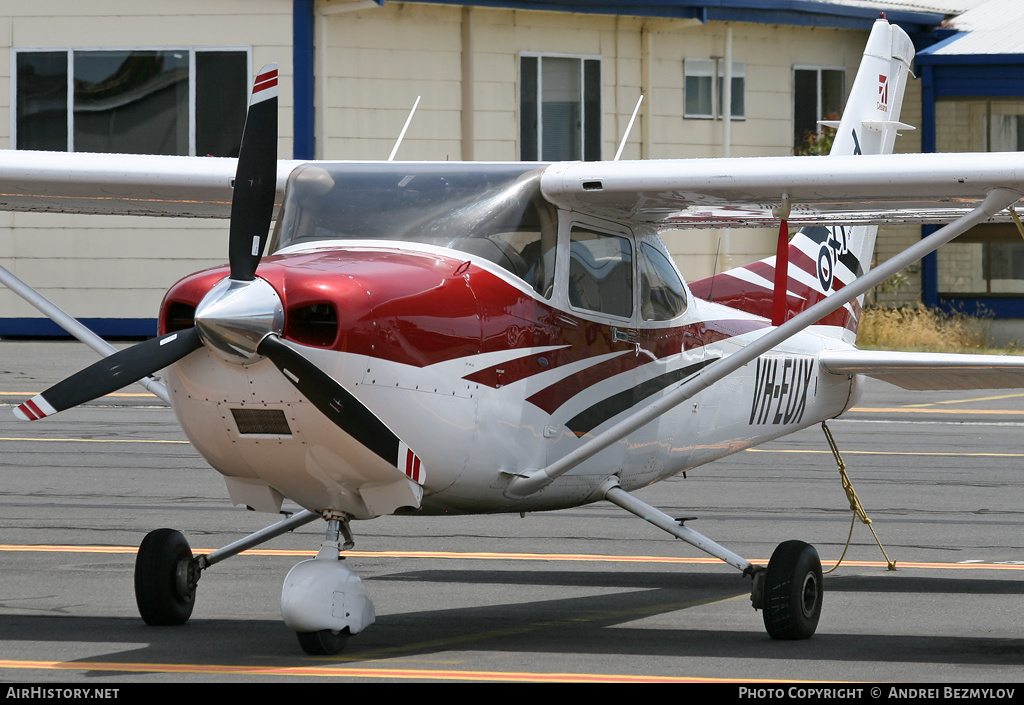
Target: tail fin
{"x": 823, "y": 260}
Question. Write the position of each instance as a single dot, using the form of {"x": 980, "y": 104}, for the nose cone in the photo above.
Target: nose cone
{"x": 236, "y": 315}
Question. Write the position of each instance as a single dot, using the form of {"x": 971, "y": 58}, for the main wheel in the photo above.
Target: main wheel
{"x": 164, "y": 589}
{"x": 792, "y": 591}
{"x": 324, "y": 642}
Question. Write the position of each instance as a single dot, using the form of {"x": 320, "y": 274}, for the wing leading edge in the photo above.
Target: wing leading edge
{"x": 121, "y": 184}
{"x": 929, "y": 371}
{"x": 856, "y": 189}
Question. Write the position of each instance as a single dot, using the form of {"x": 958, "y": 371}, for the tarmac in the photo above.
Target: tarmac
{"x": 581, "y": 595}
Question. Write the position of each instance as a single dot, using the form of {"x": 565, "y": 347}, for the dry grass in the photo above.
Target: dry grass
{"x": 922, "y": 329}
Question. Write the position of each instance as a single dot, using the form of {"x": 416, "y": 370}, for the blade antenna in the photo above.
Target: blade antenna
{"x": 629, "y": 128}
{"x": 714, "y": 272}
{"x": 401, "y": 136}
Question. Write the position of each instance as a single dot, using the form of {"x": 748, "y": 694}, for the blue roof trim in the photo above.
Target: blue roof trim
{"x": 970, "y": 59}
{"x": 103, "y": 327}
{"x": 303, "y": 53}
{"x": 940, "y": 44}
{"x": 790, "y": 12}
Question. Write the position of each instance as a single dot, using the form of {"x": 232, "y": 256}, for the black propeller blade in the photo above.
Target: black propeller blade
{"x": 340, "y": 406}
{"x": 252, "y": 209}
{"x": 252, "y": 204}
{"x": 111, "y": 373}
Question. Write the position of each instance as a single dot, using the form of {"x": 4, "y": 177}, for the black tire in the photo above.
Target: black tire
{"x": 161, "y": 599}
{"x": 792, "y": 591}
{"x": 324, "y": 642}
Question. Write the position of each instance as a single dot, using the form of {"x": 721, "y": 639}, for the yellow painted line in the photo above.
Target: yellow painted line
{"x": 341, "y": 671}
{"x": 892, "y": 452}
{"x": 966, "y": 401}
{"x": 957, "y": 412}
{"x": 487, "y": 556}
{"x": 89, "y": 440}
{"x": 29, "y": 395}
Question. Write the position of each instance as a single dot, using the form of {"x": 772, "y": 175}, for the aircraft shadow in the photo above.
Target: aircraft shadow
{"x": 610, "y": 623}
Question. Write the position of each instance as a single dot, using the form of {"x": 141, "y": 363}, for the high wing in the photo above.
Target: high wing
{"x": 669, "y": 193}
{"x": 121, "y": 184}
{"x": 929, "y": 371}
{"x": 861, "y": 189}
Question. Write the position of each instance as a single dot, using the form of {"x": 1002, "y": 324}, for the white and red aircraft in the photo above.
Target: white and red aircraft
{"x": 431, "y": 338}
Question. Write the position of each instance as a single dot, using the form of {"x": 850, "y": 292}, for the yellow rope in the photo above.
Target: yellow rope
{"x": 855, "y": 506}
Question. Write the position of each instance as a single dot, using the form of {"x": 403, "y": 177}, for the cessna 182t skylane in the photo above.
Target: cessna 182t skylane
{"x": 475, "y": 338}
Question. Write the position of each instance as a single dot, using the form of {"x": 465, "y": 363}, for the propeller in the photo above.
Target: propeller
{"x": 241, "y": 318}
{"x": 110, "y": 374}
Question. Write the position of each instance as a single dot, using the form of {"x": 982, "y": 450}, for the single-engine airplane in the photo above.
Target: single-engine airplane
{"x": 455, "y": 338}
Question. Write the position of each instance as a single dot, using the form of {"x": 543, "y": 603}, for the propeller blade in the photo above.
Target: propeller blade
{"x": 110, "y": 374}
{"x": 252, "y": 204}
{"x": 341, "y": 407}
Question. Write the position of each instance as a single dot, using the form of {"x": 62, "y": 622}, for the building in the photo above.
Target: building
{"x": 497, "y": 80}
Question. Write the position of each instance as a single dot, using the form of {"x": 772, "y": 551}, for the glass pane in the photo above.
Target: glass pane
{"x": 131, "y": 102}
{"x": 833, "y": 93}
{"x": 222, "y": 97}
{"x": 42, "y": 100}
{"x": 528, "y": 109}
{"x": 662, "y": 296}
{"x": 560, "y": 109}
{"x": 805, "y": 104}
{"x": 698, "y": 96}
{"x": 739, "y": 105}
{"x": 601, "y": 273}
{"x": 592, "y": 109}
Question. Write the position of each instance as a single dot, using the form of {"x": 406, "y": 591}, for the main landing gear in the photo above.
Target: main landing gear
{"x": 322, "y": 600}
{"x": 788, "y": 592}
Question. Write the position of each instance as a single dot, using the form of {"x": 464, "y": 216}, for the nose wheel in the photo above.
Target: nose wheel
{"x": 165, "y": 578}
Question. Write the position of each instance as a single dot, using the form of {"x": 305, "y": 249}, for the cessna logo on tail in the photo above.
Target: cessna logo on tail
{"x": 883, "y": 93}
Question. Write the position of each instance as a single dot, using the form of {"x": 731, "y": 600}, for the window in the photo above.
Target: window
{"x": 600, "y": 272}
{"x": 704, "y": 88}
{"x": 559, "y": 108}
{"x": 818, "y": 93}
{"x": 662, "y": 296}
{"x": 131, "y": 101}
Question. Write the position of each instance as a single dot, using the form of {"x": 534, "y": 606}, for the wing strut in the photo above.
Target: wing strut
{"x": 526, "y": 484}
{"x": 73, "y": 326}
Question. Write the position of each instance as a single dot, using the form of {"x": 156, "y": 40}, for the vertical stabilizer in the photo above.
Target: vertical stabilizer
{"x": 823, "y": 260}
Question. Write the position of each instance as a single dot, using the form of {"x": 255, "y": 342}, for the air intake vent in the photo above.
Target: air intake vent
{"x": 315, "y": 324}
{"x": 261, "y": 421}
{"x": 179, "y": 316}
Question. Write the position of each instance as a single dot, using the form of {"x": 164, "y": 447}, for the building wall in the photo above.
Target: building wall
{"x": 372, "y": 63}
{"x": 110, "y": 266}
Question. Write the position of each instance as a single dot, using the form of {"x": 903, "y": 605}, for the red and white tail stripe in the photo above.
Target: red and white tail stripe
{"x": 265, "y": 86}
{"x": 35, "y": 408}
{"x": 410, "y": 464}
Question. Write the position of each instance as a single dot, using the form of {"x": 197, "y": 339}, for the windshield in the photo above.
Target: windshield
{"x": 491, "y": 211}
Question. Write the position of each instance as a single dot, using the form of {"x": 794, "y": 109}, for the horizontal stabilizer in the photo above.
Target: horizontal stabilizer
{"x": 883, "y": 125}
{"x": 933, "y": 371}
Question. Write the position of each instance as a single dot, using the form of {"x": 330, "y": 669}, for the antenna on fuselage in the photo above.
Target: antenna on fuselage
{"x": 401, "y": 136}
{"x": 629, "y": 128}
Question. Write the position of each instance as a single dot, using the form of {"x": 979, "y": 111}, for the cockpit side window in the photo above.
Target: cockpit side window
{"x": 662, "y": 296}
{"x": 600, "y": 272}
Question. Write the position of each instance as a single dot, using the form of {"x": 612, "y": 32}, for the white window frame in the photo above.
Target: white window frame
{"x": 817, "y": 87}
{"x": 582, "y": 58}
{"x": 15, "y": 51}
{"x": 713, "y": 68}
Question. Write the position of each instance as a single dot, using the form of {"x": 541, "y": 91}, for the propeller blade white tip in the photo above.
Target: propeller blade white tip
{"x": 35, "y": 408}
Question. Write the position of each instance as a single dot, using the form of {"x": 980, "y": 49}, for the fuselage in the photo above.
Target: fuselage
{"x": 485, "y": 377}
